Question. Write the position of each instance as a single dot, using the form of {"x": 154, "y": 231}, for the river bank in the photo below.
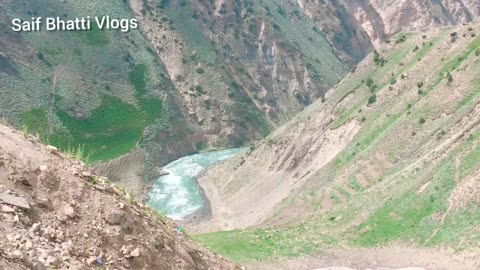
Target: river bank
{"x": 179, "y": 195}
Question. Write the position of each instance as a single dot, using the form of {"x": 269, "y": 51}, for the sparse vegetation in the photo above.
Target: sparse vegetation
{"x": 378, "y": 59}
{"x": 401, "y": 39}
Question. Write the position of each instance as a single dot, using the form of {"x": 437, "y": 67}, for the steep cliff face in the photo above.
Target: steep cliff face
{"x": 263, "y": 60}
{"x": 385, "y": 18}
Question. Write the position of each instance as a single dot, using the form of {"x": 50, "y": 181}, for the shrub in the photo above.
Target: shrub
{"x": 372, "y": 99}
{"x": 378, "y": 59}
{"x": 200, "y": 70}
{"x": 199, "y": 89}
{"x": 207, "y": 104}
{"x": 449, "y": 77}
{"x": 401, "y": 39}
{"x": 421, "y": 121}
{"x": 370, "y": 84}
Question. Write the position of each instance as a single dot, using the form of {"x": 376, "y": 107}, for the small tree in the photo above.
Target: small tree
{"x": 378, "y": 59}
{"x": 449, "y": 77}
{"x": 370, "y": 84}
{"x": 372, "y": 99}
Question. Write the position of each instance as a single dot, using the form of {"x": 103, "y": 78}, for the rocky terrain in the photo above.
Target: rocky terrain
{"x": 56, "y": 214}
{"x": 382, "y": 19}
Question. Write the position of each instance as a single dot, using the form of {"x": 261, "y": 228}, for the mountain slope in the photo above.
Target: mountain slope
{"x": 180, "y": 84}
{"x": 391, "y": 157}
{"x": 55, "y": 213}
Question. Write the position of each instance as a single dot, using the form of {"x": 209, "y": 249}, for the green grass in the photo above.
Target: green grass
{"x": 472, "y": 159}
{"x": 138, "y": 77}
{"x": 190, "y": 28}
{"x": 345, "y": 193}
{"x": 454, "y": 63}
{"x": 111, "y": 130}
{"x": 36, "y": 121}
{"x": 365, "y": 140}
{"x": 96, "y": 37}
{"x": 264, "y": 245}
{"x": 407, "y": 216}
{"x": 355, "y": 184}
{"x": 471, "y": 96}
{"x": 460, "y": 229}
{"x": 263, "y": 125}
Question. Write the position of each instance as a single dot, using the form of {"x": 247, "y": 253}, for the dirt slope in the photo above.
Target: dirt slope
{"x": 55, "y": 214}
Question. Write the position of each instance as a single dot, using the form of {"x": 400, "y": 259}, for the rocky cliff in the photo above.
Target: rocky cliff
{"x": 381, "y": 19}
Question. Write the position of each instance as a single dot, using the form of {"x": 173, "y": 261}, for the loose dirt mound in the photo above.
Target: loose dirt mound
{"x": 55, "y": 213}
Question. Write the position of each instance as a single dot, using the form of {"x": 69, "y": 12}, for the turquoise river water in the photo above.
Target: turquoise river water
{"x": 177, "y": 194}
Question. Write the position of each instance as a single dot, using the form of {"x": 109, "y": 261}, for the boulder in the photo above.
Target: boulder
{"x": 14, "y": 200}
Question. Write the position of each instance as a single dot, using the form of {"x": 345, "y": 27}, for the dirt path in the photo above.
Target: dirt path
{"x": 387, "y": 258}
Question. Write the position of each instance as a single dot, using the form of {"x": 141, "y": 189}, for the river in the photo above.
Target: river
{"x": 177, "y": 194}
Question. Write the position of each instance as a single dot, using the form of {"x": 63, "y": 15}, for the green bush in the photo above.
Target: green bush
{"x": 378, "y": 59}
{"x": 401, "y": 39}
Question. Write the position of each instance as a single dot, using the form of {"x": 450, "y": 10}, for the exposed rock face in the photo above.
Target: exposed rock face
{"x": 383, "y": 18}
{"x": 90, "y": 223}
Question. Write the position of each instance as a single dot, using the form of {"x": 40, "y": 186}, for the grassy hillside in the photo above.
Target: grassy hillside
{"x": 408, "y": 176}
{"x": 96, "y": 90}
